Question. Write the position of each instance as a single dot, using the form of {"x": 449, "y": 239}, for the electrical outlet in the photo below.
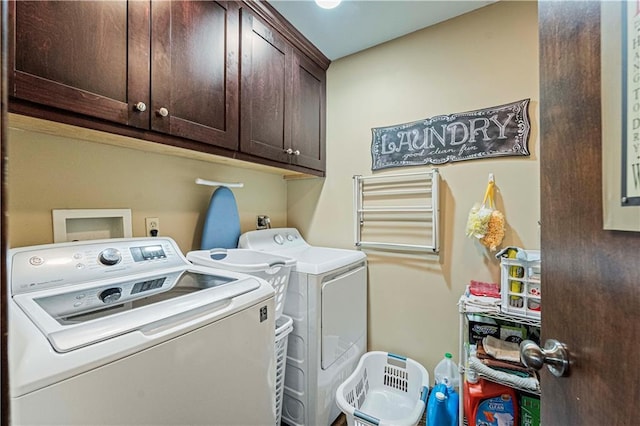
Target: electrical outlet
{"x": 152, "y": 226}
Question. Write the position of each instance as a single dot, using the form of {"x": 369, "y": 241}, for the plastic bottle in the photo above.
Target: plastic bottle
{"x": 437, "y": 414}
{"x": 470, "y": 398}
{"x": 453, "y": 401}
{"x": 491, "y": 404}
{"x": 447, "y": 372}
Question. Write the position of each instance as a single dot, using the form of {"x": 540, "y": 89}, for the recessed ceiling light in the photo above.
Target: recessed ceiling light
{"x": 328, "y": 4}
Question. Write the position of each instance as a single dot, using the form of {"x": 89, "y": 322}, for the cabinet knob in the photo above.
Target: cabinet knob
{"x": 163, "y": 112}
{"x": 296, "y": 152}
{"x": 289, "y": 151}
{"x": 140, "y": 107}
{"x": 555, "y": 354}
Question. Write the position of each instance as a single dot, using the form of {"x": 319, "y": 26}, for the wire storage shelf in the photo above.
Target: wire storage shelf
{"x": 507, "y": 317}
{"x": 397, "y": 212}
{"x": 467, "y": 309}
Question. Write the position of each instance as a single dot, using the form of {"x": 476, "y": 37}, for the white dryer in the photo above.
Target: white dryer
{"x": 327, "y": 299}
{"x": 127, "y": 331}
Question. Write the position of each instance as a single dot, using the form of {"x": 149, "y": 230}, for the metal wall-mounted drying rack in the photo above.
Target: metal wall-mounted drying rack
{"x": 375, "y": 202}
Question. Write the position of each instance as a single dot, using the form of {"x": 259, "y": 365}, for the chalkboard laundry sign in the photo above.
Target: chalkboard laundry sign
{"x": 491, "y": 132}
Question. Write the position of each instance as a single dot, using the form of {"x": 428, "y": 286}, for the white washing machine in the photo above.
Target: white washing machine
{"x": 327, "y": 299}
{"x": 127, "y": 331}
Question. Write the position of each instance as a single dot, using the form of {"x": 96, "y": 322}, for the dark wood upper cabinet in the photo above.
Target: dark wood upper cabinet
{"x": 194, "y": 70}
{"x": 308, "y": 138}
{"x": 283, "y": 98}
{"x": 87, "y": 57}
{"x": 230, "y": 78}
{"x": 265, "y": 87}
{"x": 176, "y": 72}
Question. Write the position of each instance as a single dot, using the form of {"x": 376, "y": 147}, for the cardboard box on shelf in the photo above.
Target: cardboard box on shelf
{"x": 529, "y": 410}
{"x": 478, "y": 329}
{"x": 515, "y": 334}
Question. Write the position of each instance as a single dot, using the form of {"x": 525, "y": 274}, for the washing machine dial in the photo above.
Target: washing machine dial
{"x": 110, "y": 295}
{"x": 109, "y": 257}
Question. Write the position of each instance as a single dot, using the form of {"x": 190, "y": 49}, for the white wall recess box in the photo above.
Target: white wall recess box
{"x": 90, "y": 224}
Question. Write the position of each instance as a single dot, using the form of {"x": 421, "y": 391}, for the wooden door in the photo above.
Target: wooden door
{"x": 308, "y": 122}
{"x": 194, "y": 70}
{"x": 265, "y": 129}
{"x": 4, "y": 189}
{"x": 590, "y": 277}
{"x": 83, "y": 56}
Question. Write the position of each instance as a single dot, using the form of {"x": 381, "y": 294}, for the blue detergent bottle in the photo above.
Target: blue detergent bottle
{"x": 437, "y": 412}
{"x": 453, "y": 401}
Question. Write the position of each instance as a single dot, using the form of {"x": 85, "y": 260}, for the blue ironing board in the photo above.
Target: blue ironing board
{"x": 222, "y": 223}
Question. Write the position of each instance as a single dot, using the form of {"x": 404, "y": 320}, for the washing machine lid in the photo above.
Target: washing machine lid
{"x": 81, "y": 316}
{"x": 81, "y": 293}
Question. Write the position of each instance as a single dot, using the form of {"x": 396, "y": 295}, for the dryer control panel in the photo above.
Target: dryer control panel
{"x": 272, "y": 239}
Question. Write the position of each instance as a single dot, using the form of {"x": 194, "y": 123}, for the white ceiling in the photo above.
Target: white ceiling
{"x": 356, "y": 25}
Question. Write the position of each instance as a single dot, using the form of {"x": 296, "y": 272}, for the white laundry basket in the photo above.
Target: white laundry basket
{"x": 385, "y": 389}
{"x": 284, "y": 326}
{"x": 272, "y": 268}
{"x": 276, "y": 271}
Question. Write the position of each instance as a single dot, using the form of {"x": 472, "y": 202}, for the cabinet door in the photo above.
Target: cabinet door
{"x": 89, "y": 57}
{"x": 194, "y": 70}
{"x": 308, "y": 122}
{"x": 265, "y": 130}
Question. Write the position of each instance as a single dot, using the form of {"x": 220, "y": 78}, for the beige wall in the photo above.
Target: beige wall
{"x": 482, "y": 59}
{"x": 63, "y": 172}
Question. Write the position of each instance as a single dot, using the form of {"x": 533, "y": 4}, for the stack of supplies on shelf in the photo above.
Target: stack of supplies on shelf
{"x": 524, "y": 381}
{"x": 482, "y": 297}
{"x": 500, "y": 360}
{"x": 501, "y": 355}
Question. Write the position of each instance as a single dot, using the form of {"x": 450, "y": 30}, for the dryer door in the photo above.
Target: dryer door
{"x": 344, "y": 313}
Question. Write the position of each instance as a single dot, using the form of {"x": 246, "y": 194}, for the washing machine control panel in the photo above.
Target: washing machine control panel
{"x": 54, "y": 265}
{"x": 110, "y": 295}
{"x": 110, "y": 257}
